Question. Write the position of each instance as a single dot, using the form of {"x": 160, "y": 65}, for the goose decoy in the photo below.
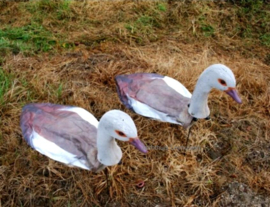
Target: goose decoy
{"x": 165, "y": 99}
{"x": 73, "y": 136}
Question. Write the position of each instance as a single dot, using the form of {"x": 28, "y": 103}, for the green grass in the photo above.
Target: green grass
{"x": 255, "y": 18}
{"x": 143, "y": 24}
{"x": 29, "y": 39}
{"x": 207, "y": 30}
{"x": 61, "y": 8}
{"x": 34, "y": 38}
{"x": 251, "y": 22}
{"x": 59, "y": 91}
{"x": 265, "y": 39}
{"x": 144, "y": 27}
{"x": 162, "y": 7}
{"x": 147, "y": 22}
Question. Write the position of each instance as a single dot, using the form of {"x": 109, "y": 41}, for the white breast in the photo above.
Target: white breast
{"x": 53, "y": 151}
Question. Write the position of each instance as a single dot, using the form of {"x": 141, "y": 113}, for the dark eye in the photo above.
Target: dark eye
{"x": 121, "y": 134}
{"x": 222, "y": 82}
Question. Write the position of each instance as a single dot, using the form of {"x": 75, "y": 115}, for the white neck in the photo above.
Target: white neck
{"x": 198, "y": 107}
{"x": 109, "y": 153}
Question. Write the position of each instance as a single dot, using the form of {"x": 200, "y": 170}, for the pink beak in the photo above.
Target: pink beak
{"x": 233, "y": 93}
{"x": 136, "y": 142}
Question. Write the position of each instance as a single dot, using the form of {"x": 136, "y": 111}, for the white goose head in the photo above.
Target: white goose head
{"x": 119, "y": 125}
{"x": 215, "y": 76}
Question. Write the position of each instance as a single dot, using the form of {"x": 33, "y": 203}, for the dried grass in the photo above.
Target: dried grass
{"x": 233, "y": 146}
